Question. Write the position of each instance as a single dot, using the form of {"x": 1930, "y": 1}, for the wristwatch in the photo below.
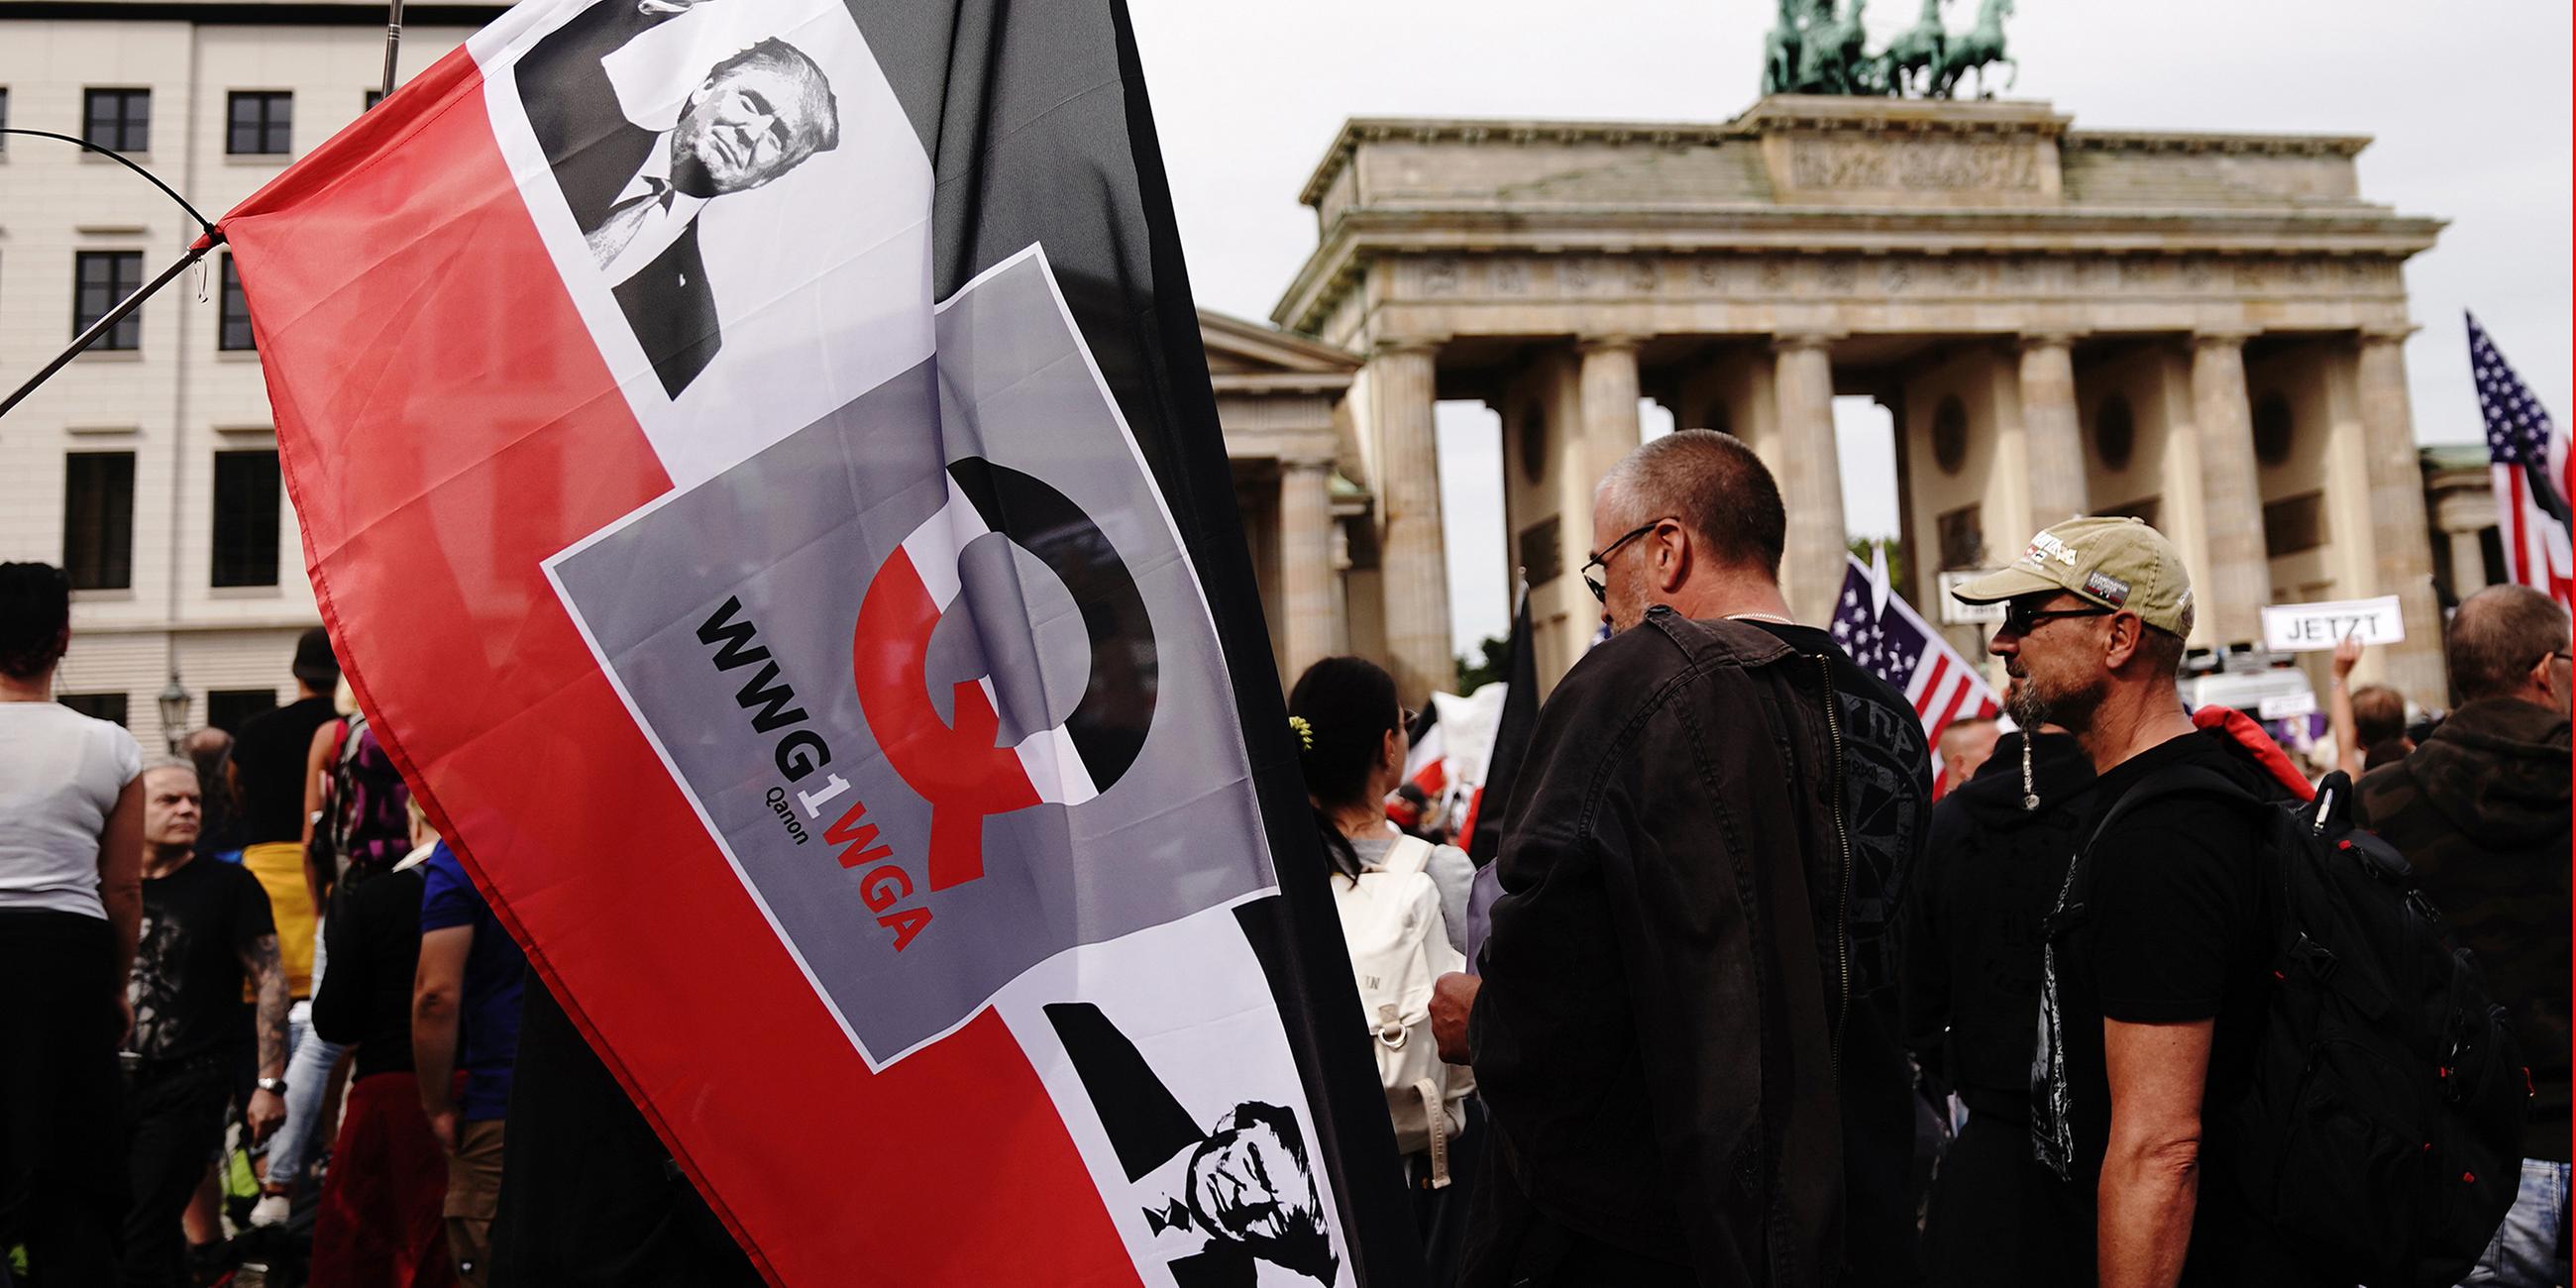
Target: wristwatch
{"x": 273, "y": 1086}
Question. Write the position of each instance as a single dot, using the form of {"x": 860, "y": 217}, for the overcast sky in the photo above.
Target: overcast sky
{"x": 2468, "y": 104}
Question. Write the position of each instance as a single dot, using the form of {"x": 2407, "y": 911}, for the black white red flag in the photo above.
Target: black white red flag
{"x": 757, "y": 461}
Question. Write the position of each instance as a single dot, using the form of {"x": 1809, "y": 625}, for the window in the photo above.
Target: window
{"x": 1962, "y": 533}
{"x": 232, "y": 312}
{"x": 1950, "y": 438}
{"x": 2275, "y": 429}
{"x": 2115, "y": 433}
{"x": 226, "y": 709}
{"x": 260, "y": 123}
{"x": 109, "y": 707}
{"x": 246, "y": 494}
{"x": 119, "y": 120}
{"x": 103, "y": 279}
{"x": 98, "y": 520}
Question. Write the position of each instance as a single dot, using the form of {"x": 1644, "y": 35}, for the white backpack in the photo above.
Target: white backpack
{"x": 1399, "y": 944}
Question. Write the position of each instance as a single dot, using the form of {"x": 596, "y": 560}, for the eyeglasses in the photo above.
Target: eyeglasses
{"x": 2022, "y": 617}
{"x": 1601, "y": 593}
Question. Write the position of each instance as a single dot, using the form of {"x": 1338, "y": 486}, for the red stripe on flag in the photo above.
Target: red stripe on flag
{"x": 1931, "y": 690}
{"x": 1950, "y": 712}
{"x": 445, "y": 423}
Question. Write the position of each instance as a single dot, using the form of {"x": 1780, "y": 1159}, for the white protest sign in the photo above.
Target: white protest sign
{"x": 2309, "y": 628}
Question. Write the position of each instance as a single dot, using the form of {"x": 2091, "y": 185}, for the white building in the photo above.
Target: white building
{"x": 148, "y": 467}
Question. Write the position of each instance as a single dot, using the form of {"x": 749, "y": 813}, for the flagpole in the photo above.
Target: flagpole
{"x": 393, "y": 44}
{"x": 94, "y": 330}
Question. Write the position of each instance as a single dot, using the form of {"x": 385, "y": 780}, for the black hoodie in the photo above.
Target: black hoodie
{"x": 1972, "y": 923}
{"x": 2481, "y": 811}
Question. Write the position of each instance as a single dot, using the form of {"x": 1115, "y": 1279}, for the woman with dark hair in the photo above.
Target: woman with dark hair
{"x": 71, "y": 904}
{"x": 1351, "y": 744}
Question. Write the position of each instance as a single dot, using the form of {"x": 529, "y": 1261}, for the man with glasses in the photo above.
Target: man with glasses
{"x": 1666, "y": 977}
{"x": 2481, "y": 812}
{"x": 2153, "y": 973}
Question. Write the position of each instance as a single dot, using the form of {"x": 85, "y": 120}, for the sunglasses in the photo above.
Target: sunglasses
{"x": 1601, "y": 593}
{"x": 2021, "y": 617}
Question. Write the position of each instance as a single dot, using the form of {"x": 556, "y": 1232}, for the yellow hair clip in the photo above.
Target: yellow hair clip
{"x": 1304, "y": 731}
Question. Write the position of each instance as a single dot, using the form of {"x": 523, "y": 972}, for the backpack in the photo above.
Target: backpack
{"x": 367, "y": 818}
{"x": 1399, "y": 945}
{"x": 2382, "y": 1127}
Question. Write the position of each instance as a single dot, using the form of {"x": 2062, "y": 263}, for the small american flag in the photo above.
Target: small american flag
{"x": 1883, "y": 634}
{"x": 2531, "y": 472}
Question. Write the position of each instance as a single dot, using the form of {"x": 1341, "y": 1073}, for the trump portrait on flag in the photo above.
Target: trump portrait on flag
{"x": 636, "y": 191}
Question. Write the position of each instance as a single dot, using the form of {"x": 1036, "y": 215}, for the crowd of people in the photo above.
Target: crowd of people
{"x": 168, "y": 928}
{"x": 1737, "y": 1003}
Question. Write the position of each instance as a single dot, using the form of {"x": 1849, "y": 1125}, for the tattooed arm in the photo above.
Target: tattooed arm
{"x": 268, "y": 975}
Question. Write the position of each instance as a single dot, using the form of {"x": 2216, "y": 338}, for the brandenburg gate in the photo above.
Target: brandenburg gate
{"x": 2200, "y": 329}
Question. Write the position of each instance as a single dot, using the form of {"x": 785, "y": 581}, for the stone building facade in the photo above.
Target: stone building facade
{"x": 150, "y": 467}
{"x": 149, "y": 464}
{"x": 2202, "y": 329}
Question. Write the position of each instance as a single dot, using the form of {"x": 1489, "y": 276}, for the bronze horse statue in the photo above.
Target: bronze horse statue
{"x": 1917, "y": 49}
{"x": 1976, "y": 49}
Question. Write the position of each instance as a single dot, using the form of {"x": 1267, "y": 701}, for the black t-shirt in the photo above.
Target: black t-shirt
{"x": 270, "y": 755}
{"x": 198, "y": 922}
{"x": 1989, "y": 877}
{"x": 374, "y": 937}
{"x": 2173, "y": 932}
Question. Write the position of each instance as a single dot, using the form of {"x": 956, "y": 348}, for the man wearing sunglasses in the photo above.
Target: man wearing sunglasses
{"x": 1661, "y": 1030}
{"x": 2481, "y": 812}
{"x": 2154, "y": 969}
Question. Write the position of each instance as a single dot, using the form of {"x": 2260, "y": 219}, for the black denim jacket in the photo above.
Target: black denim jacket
{"x": 1666, "y": 975}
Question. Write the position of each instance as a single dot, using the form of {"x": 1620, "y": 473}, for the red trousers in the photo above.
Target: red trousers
{"x": 379, "y": 1222}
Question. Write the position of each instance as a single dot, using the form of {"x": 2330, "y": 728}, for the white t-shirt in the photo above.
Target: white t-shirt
{"x": 60, "y": 774}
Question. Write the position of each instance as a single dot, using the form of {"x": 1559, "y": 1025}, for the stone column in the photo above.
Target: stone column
{"x": 1415, "y": 569}
{"x": 2231, "y": 591}
{"x": 1811, "y": 487}
{"x": 1305, "y": 563}
{"x": 1607, "y": 389}
{"x": 2399, "y": 535}
{"x": 2468, "y": 564}
{"x": 2052, "y": 439}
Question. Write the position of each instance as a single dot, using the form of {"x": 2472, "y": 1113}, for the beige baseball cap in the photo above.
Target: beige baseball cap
{"x": 2113, "y": 561}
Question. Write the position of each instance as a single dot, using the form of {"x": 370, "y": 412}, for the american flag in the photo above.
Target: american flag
{"x": 1883, "y": 634}
{"x": 2531, "y": 469}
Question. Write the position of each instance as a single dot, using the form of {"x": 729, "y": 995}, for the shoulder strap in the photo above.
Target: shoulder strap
{"x": 1408, "y": 854}
{"x": 2181, "y": 780}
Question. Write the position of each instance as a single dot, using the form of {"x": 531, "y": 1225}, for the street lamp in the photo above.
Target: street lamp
{"x": 173, "y": 702}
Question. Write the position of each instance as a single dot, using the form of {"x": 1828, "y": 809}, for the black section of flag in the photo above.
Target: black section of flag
{"x": 1038, "y": 129}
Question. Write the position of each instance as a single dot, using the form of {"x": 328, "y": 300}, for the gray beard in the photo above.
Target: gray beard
{"x": 2030, "y": 707}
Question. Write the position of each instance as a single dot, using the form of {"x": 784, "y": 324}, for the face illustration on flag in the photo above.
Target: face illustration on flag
{"x": 745, "y": 464}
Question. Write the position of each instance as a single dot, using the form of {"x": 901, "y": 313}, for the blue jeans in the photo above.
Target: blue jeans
{"x": 2530, "y": 1248}
{"x": 309, "y": 1061}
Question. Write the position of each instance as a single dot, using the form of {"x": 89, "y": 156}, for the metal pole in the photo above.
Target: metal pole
{"x": 393, "y": 43}
{"x": 94, "y": 330}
